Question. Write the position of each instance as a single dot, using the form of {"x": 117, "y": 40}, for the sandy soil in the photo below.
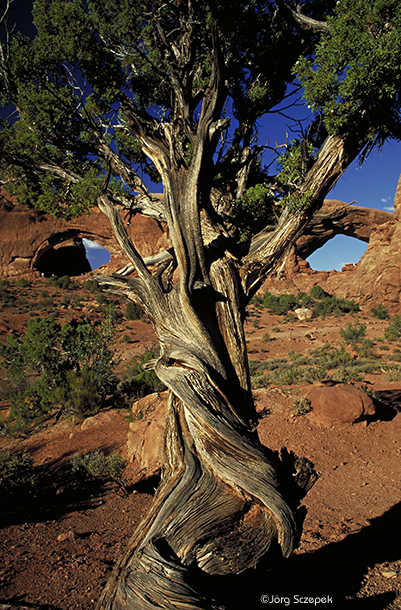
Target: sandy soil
{"x": 57, "y": 551}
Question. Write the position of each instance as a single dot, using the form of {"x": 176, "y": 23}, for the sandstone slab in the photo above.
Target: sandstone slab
{"x": 145, "y": 436}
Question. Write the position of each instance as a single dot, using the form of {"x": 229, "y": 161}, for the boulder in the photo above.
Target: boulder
{"x": 335, "y": 403}
{"x": 303, "y": 313}
{"x": 146, "y": 433}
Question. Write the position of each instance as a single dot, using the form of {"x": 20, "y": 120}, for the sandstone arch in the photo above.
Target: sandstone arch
{"x": 26, "y": 235}
{"x": 340, "y": 218}
{"x": 375, "y": 279}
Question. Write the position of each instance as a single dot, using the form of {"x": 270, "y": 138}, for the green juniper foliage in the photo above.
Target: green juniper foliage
{"x": 92, "y": 63}
{"x": 68, "y": 367}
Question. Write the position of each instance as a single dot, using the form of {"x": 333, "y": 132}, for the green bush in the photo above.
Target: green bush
{"x": 353, "y": 333}
{"x": 318, "y": 293}
{"x": 91, "y": 285}
{"x": 111, "y": 313}
{"x": 96, "y": 465}
{"x": 301, "y": 406}
{"x": 6, "y": 296}
{"x": 292, "y": 374}
{"x": 380, "y": 312}
{"x": 280, "y": 305}
{"x": 18, "y": 473}
{"x": 324, "y": 306}
{"x": 137, "y": 382}
{"x": 393, "y": 330}
{"x": 67, "y": 368}
{"x": 64, "y": 282}
{"x": 133, "y": 311}
{"x": 393, "y": 374}
{"x": 330, "y": 305}
{"x": 23, "y": 283}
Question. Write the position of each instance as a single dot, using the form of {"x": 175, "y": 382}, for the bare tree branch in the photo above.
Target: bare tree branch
{"x": 305, "y": 22}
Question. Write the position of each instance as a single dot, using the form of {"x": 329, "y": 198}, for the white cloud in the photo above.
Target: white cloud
{"x": 389, "y": 209}
{"x": 385, "y": 199}
{"x": 91, "y": 245}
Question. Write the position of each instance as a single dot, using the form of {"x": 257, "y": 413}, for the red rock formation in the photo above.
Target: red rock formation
{"x": 27, "y": 234}
{"x": 375, "y": 279}
{"x": 145, "y": 437}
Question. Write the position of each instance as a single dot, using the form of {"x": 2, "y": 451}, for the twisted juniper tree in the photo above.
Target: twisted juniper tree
{"x": 110, "y": 91}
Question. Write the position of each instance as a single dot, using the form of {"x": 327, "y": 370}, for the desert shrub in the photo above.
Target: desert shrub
{"x": 256, "y": 300}
{"x": 305, "y": 300}
{"x": 126, "y": 339}
{"x": 18, "y": 473}
{"x": 300, "y": 406}
{"x": 318, "y": 293}
{"x": 346, "y": 374}
{"x": 111, "y": 313}
{"x": 64, "y": 282}
{"x": 330, "y": 305}
{"x": 101, "y": 298}
{"x": 292, "y": 374}
{"x": 331, "y": 357}
{"x": 23, "y": 283}
{"x": 133, "y": 311}
{"x": 393, "y": 374}
{"x": 280, "y": 305}
{"x": 366, "y": 350}
{"x": 6, "y": 296}
{"x": 66, "y": 367}
{"x": 96, "y": 465}
{"x": 324, "y": 305}
{"x": 91, "y": 285}
{"x": 393, "y": 331}
{"x": 266, "y": 337}
{"x": 353, "y": 333}
{"x": 45, "y": 304}
{"x": 380, "y": 312}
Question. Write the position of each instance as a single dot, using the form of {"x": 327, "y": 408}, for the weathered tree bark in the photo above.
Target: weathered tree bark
{"x": 219, "y": 506}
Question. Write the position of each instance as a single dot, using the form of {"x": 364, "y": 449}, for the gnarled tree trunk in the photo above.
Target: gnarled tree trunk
{"x": 219, "y": 505}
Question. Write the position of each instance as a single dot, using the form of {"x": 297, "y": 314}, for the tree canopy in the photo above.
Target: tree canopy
{"x": 127, "y": 83}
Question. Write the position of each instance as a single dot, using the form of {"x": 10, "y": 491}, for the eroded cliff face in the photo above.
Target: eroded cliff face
{"x": 26, "y": 236}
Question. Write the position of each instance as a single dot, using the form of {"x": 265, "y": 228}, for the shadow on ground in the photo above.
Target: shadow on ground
{"x": 334, "y": 572}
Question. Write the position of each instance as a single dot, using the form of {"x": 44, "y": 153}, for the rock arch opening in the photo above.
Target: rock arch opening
{"x": 96, "y": 254}
{"x": 66, "y": 258}
{"x": 336, "y": 253}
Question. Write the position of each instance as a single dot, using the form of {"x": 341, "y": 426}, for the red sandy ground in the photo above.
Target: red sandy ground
{"x": 350, "y": 551}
